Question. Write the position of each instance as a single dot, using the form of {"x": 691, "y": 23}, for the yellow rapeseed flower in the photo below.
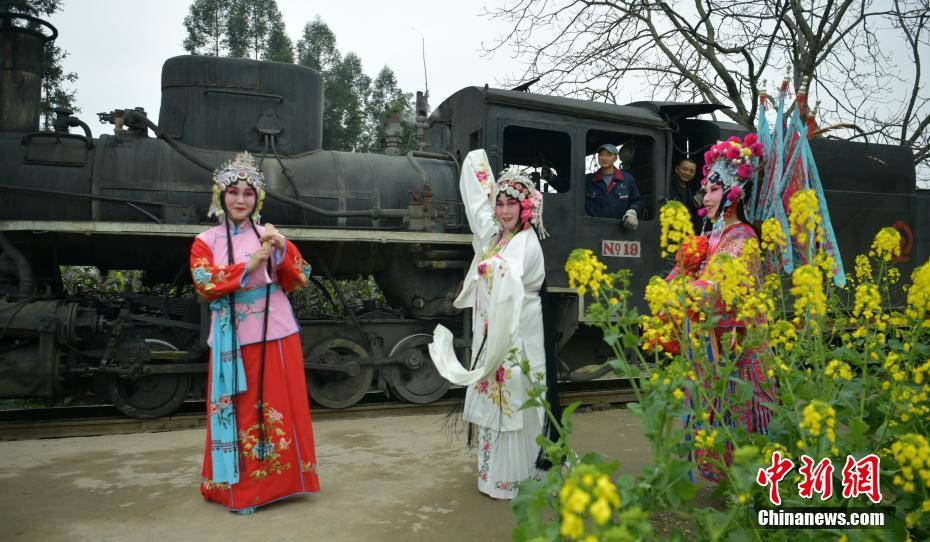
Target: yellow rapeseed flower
{"x": 585, "y": 271}
{"x": 863, "y": 268}
{"x": 838, "y": 370}
{"x": 734, "y": 281}
{"x": 887, "y": 244}
{"x": 804, "y": 217}
{"x": 773, "y": 236}
{"x": 912, "y": 453}
{"x": 782, "y": 333}
{"x": 675, "y": 221}
{"x": 572, "y": 526}
{"x": 918, "y": 295}
{"x": 819, "y": 417}
{"x": 868, "y": 301}
{"x": 808, "y": 292}
{"x": 601, "y": 511}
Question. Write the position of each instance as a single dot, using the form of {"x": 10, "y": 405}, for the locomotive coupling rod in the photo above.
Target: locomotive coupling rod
{"x": 135, "y": 371}
{"x": 149, "y": 369}
{"x": 373, "y": 213}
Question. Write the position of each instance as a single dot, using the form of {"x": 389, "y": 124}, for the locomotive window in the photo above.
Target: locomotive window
{"x": 636, "y": 156}
{"x": 544, "y": 154}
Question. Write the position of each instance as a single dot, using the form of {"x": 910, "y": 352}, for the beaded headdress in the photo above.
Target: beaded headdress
{"x": 241, "y": 168}
{"x": 514, "y": 183}
{"x": 731, "y": 164}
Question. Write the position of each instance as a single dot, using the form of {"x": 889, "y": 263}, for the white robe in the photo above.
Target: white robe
{"x": 503, "y": 292}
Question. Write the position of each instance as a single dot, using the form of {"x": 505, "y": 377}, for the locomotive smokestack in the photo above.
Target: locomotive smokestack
{"x": 21, "y": 45}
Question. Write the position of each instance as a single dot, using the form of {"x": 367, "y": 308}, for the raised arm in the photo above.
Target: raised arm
{"x": 213, "y": 281}
{"x": 476, "y": 185}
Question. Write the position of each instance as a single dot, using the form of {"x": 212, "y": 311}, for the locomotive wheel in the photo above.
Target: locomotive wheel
{"x": 339, "y": 389}
{"x": 150, "y": 396}
{"x": 416, "y": 380}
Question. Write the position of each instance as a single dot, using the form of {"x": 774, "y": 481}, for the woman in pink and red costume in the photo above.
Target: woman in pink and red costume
{"x": 259, "y": 445}
{"x": 729, "y": 167}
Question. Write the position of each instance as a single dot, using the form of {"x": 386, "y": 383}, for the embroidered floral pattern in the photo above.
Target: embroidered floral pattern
{"x": 483, "y": 174}
{"x": 211, "y": 485}
{"x": 485, "y": 454}
{"x": 267, "y": 451}
{"x": 496, "y": 389}
{"x": 207, "y": 276}
{"x": 308, "y": 466}
{"x": 221, "y": 409}
{"x": 305, "y": 270}
{"x": 506, "y": 486}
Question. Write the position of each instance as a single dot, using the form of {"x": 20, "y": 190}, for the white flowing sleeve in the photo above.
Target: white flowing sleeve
{"x": 475, "y": 185}
{"x": 504, "y": 310}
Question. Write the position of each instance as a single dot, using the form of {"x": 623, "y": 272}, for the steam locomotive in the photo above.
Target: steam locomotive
{"x": 128, "y": 200}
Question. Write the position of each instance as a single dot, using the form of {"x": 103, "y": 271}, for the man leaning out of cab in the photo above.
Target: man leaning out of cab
{"x": 611, "y": 192}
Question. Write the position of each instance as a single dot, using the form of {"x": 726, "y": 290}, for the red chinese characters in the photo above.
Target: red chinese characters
{"x": 817, "y": 479}
{"x": 774, "y": 474}
{"x": 859, "y": 477}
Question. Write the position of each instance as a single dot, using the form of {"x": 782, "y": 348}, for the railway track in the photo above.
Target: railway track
{"x": 84, "y": 421}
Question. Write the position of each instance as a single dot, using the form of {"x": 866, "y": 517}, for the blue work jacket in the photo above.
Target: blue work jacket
{"x": 613, "y": 200}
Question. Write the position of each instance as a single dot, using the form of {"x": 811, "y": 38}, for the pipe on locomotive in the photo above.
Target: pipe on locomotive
{"x": 138, "y": 119}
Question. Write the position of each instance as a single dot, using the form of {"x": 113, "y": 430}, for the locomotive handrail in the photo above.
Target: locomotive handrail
{"x": 371, "y": 213}
{"x": 59, "y": 135}
{"x": 80, "y": 195}
{"x": 249, "y": 93}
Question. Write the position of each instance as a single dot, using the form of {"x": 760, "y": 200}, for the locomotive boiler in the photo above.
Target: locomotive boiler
{"x": 134, "y": 199}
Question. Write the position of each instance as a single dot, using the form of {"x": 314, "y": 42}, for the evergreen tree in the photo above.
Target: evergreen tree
{"x": 206, "y": 25}
{"x": 317, "y": 47}
{"x": 280, "y": 48}
{"x": 344, "y": 105}
{"x": 55, "y": 92}
{"x": 238, "y": 28}
{"x": 386, "y": 98}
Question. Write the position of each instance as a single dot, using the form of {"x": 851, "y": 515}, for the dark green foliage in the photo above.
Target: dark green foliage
{"x": 317, "y": 47}
{"x": 206, "y": 25}
{"x": 387, "y": 98}
{"x": 238, "y": 28}
{"x": 355, "y": 107}
{"x": 310, "y": 302}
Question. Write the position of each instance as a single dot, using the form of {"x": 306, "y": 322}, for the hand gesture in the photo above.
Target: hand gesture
{"x": 273, "y": 237}
{"x": 258, "y": 258}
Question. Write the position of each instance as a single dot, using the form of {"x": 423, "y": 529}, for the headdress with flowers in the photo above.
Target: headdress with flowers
{"x": 731, "y": 164}
{"x": 241, "y": 168}
{"x": 514, "y": 183}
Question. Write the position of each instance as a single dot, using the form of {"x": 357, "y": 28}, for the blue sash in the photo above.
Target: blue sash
{"x": 228, "y": 380}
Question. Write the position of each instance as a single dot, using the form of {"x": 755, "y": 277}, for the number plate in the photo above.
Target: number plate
{"x": 620, "y": 249}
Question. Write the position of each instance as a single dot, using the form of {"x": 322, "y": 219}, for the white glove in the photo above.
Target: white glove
{"x": 629, "y": 219}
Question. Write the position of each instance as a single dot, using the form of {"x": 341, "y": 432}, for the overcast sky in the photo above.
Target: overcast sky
{"x": 117, "y": 47}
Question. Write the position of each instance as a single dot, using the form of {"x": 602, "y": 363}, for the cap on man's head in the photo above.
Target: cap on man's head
{"x": 612, "y": 149}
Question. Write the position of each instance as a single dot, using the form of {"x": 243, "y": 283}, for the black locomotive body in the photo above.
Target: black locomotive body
{"x": 133, "y": 201}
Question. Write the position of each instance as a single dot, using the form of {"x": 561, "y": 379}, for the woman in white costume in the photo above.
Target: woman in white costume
{"x": 502, "y": 288}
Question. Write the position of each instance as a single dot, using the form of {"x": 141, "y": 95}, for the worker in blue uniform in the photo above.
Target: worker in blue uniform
{"x": 611, "y": 192}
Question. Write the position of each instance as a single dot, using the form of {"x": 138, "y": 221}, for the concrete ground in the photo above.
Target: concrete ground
{"x": 383, "y": 478}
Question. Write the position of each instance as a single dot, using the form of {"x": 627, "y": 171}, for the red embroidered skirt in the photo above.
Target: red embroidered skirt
{"x": 289, "y": 467}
